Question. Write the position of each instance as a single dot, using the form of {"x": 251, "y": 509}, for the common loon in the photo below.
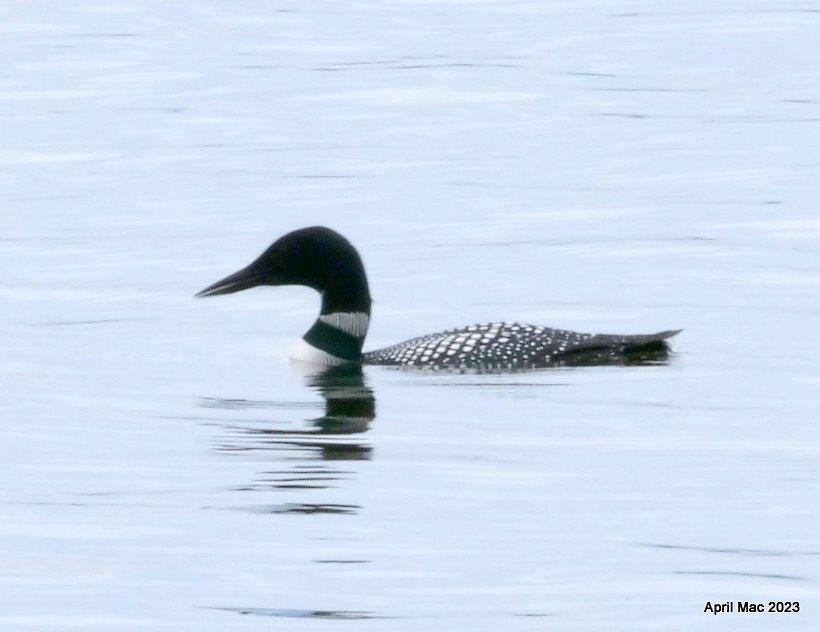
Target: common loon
{"x": 324, "y": 260}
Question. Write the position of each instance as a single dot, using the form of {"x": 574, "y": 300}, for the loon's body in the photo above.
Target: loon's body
{"x": 499, "y": 346}
{"x": 320, "y": 258}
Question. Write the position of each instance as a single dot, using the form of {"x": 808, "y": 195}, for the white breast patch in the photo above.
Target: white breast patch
{"x": 305, "y": 352}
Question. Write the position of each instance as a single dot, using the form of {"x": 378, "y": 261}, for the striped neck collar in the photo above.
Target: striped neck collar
{"x": 340, "y": 334}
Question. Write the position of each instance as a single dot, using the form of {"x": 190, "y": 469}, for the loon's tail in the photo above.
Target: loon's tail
{"x": 609, "y": 349}
{"x": 629, "y": 341}
{"x": 621, "y": 343}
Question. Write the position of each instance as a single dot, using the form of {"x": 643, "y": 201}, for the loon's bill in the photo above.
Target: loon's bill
{"x": 322, "y": 259}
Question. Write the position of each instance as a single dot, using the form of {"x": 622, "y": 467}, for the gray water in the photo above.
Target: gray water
{"x": 616, "y": 166}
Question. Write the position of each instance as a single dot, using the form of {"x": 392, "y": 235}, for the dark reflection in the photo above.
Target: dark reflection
{"x": 303, "y": 508}
{"x": 292, "y": 613}
{"x": 305, "y": 449}
{"x": 742, "y": 574}
{"x": 349, "y": 403}
{"x": 732, "y": 550}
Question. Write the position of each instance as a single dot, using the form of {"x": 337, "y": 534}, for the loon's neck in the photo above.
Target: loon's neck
{"x": 335, "y": 338}
{"x": 338, "y": 334}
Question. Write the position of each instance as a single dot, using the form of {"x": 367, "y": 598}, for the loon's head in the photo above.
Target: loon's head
{"x": 316, "y": 257}
{"x": 319, "y": 258}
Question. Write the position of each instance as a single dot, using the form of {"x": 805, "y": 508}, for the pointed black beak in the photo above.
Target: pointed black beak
{"x": 244, "y": 279}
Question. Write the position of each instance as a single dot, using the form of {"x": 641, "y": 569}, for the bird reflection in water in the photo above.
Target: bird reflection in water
{"x": 306, "y": 448}
{"x": 306, "y": 452}
{"x": 349, "y": 403}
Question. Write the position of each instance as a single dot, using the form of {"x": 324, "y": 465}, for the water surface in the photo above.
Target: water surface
{"x": 600, "y": 166}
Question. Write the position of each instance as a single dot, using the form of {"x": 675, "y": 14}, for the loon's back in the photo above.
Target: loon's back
{"x": 516, "y": 346}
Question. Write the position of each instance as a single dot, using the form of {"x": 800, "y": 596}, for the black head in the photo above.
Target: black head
{"x": 316, "y": 257}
